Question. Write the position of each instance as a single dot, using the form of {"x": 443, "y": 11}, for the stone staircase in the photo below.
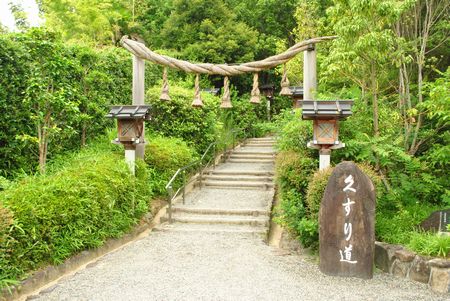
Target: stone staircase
{"x": 235, "y": 197}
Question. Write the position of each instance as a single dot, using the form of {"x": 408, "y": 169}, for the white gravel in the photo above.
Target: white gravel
{"x": 220, "y": 266}
{"x": 195, "y": 264}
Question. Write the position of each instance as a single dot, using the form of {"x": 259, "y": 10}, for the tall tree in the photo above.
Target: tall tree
{"x": 94, "y": 21}
{"x": 206, "y": 30}
{"x": 20, "y": 16}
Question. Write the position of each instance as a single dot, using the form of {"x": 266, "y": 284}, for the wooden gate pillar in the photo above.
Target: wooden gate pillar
{"x": 139, "y": 97}
{"x": 309, "y": 72}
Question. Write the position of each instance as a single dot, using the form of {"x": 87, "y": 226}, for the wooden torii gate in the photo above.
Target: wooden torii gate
{"x": 141, "y": 53}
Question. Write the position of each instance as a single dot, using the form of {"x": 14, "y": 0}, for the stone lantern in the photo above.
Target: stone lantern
{"x": 130, "y": 128}
{"x": 326, "y": 115}
{"x": 296, "y": 96}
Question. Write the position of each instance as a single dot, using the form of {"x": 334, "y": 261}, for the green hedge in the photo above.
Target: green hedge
{"x": 177, "y": 118}
{"x": 40, "y": 74}
{"x": 92, "y": 198}
{"x": 164, "y": 157}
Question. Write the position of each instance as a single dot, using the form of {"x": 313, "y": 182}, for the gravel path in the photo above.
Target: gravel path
{"x": 219, "y": 266}
{"x": 194, "y": 264}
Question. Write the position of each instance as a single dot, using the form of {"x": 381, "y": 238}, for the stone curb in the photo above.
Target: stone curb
{"x": 43, "y": 277}
{"x": 400, "y": 262}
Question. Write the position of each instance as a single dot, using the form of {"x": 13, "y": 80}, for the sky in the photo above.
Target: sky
{"x": 30, "y": 8}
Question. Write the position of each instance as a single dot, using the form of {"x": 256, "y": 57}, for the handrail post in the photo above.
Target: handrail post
{"x": 201, "y": 176}
{"x": 170, "y": 203}
{"x": 184, "y": 186}
{"x": 233, "y": 138}
{"x": 214, "y": 157}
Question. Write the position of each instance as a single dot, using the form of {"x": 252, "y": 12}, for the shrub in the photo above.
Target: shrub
{"x": 165, "y": 156}
{"x": 177, "y": 118}
{"x": 294, "y": 133}
{"x": 92, "y": 198}
{"x": 315, "y": 191}
{"x": 294, "y": 170}
{"x": 308, "y": 233}
{"x": 429, "y": 244}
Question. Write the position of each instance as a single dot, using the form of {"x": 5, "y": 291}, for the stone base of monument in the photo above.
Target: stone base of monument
{"x": 347, "y": 223}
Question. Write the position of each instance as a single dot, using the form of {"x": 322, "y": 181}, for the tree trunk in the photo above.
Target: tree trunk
{"x": 376, "y": 131}
{"x": 83, "y": 135}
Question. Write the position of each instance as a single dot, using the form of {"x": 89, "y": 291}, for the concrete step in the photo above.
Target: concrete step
{"x": 243, "y": 185}
{"x": 253, "y": 140}
{"x": 233, "y": 178}
{"x": 251, "y": 156}
{"x": 233, "y": 160}
{"x": 252, "y": 144}
{"x": 264, "y": 153}
{"x": 240, "y": 173}
{"x": 219, "y": 211}
{"x": 261, "y": 139}
{"x": 260, "y": 232}
{"x": 261, "y": 221}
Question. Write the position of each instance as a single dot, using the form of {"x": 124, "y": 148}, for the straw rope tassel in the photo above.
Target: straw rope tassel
{"x": 256, "y": 95}
{"x": 285, "y": 83}
{"x": 226, "y": 101}
{"x": 165, "y": 88}
{"x": 197, "y": 103}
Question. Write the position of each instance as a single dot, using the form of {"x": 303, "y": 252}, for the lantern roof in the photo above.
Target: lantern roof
{"x": 130, "y": 112}
{"x": 324, "y": 109}
{"x": 296, "y": 90}
{"x": 213, "y": 91}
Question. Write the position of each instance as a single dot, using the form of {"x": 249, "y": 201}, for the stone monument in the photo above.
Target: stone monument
{"x": 347, "y": 223}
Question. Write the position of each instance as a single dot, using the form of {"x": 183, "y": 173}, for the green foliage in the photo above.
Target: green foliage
{"x": 165, "y": 156}
{"x": 308, "y": 233}
{"x": 430, "y": 244}
{"x": 245, "y": 115}
{"x": 64, "y": 90}
{"x": 263, "y": 129}
{"x": 293, "y": 132}
{"x": 96, "y": 22}
{"x": 177, "y": 118}
{"x": 315, "y": 191}
{"x": 205, "y": 30}
{"x": 92, "y": 198}
{"x": 401, "y": 227}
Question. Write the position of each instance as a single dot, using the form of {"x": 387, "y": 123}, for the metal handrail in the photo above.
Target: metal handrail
{"x": 182, "y": 170}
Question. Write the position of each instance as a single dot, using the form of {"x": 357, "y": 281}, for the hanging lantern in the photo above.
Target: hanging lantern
{"x": 226, "y": 101}
{"x": 197, "y": 103}
{"x": 165, "y": 88}
{"x": 255, "y": 96}
{"x": 285, "y": 91}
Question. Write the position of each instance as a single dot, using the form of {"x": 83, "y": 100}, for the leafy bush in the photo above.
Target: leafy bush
{"x": 293, "y": 171}
{"x": 308, "y": 233}
{"x": 315, "y": 191}
{"x": 92, "y": 198}
{"x": 177, "y": 118}
{"x": 293, "y": 132}
{"x": 263, "y": 129}
{"x": 165, "y": 156}
{"x": 74, "y": 85}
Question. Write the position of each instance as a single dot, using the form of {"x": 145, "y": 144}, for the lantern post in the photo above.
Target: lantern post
{"x": 326, "y": 115}
{"x": 130, "y": 128}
